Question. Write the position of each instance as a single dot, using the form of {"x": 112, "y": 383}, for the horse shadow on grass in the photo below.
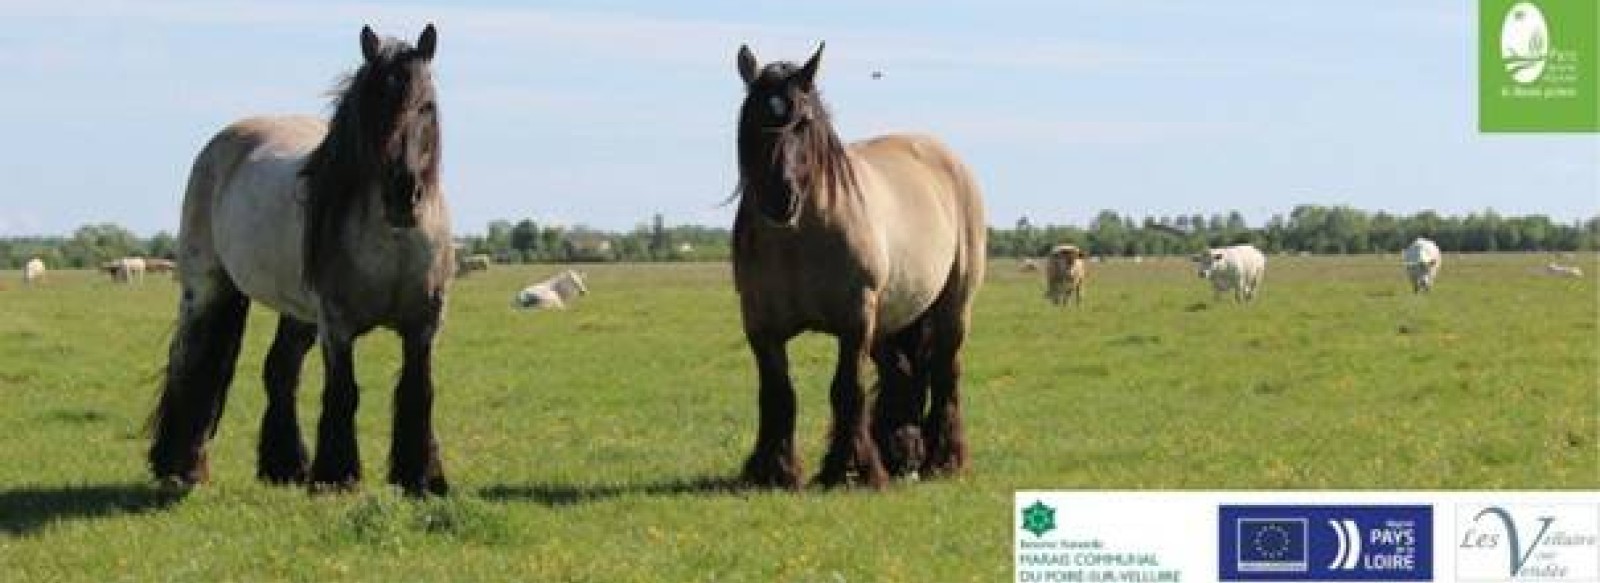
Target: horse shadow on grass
{"x": 26, "y": 510}
{"x": 555, "y": 495}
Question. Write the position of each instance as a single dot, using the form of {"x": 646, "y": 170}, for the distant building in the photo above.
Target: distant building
{"x": 587, "y": 247}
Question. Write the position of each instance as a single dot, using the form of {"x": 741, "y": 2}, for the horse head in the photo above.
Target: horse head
{"x": 787, "y": 145}
{"x": 397, "y": 121}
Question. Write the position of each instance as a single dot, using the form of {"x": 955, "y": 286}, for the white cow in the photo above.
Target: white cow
{"x": 555, "y": 292}
{"x": 1065, "y": 268}
{"x": 1238, "y": 268}
{"x": 33, "y": 271}
{"x": 125, "y": 270}
{"x": 1421, "y": 260}
{"x": 1559, "y": 270}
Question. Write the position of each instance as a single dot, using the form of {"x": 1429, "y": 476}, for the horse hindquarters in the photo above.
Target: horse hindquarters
{"x": 199, "y": 369}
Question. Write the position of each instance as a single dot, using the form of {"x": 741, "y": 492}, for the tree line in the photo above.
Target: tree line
{"x": 1311, "y": 228}
{"x": 1315, "y": 229}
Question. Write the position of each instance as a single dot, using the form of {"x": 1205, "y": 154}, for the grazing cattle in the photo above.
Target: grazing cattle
{"x": 1238, "y": 269}
{"x": 1421, "y": 260}
{"x": 155, "y": 265}
{"x": 878, "y": 243}
{"x": 33, "y": 271}
{"x": 555, "y": 292}
{"x": 125, "y": 270}
{"x": 1558, "y": 270}
{"x": 1064, "y": 271}
{"x": 471, "y": 263}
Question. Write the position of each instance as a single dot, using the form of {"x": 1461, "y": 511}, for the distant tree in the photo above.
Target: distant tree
{"x": 162, "y": 245}
{"x": 660, "y": 243}
{"x": 525, "y": 239}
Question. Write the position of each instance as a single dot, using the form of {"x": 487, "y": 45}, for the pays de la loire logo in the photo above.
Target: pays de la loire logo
{"x": 1525, "y": 42}
{"x": 1038, "y": 518}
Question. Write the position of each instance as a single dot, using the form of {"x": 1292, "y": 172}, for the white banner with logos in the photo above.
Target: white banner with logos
{"x": 1172, "y": 536}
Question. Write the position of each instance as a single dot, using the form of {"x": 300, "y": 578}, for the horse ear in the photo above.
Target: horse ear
{"x": 369, "y": 44}
{"x": 747, "y": 64}
{"x": 427, "y": 42}
{"x": 808, "y": 73}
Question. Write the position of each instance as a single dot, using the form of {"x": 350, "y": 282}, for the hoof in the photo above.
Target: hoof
{"x": 433, "y": 486}
{"x": 766, "y": 471}
{"x": 344, "y": 487}
{"x": 282, "y": 474}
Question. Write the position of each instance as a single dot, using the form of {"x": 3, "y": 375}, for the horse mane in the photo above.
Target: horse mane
{"x": 343, "y": 163}
{"x": 333, "y": 171}
{"x": 822, "y": 154}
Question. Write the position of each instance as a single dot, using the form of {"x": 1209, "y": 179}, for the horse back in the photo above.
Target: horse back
{"x": 931, "y": 222}
{"x": 243, "y": 212}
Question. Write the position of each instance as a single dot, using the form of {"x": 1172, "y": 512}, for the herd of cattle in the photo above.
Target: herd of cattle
{"x": 1237, "y": 269}
{"x": 553, "y": 293}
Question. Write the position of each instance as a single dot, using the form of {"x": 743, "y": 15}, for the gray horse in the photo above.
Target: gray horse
{"x": 340, "y": 227}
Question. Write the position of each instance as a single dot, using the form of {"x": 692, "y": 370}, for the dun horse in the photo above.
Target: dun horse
{"x": 880, "y": 244}
{"x": 340, "y": 227}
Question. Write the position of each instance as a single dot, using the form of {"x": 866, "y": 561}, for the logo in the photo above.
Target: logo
{"x": 1325, "y": 543}
{"x": 1111, "y": 537}
{"x": 1524, "y": 42}
{"x": 1038, "y": 518}
{"x": 1349, "y": 545}
{"x": 1271, "y": 544}
{"x": 1538, "y": 66}
{"x": 1528, "y": 543}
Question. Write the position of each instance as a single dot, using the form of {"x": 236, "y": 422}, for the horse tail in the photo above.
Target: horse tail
{"x": 211, "y": 318}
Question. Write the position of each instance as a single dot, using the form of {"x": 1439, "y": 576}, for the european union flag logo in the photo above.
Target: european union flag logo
{"x": 1324, "y": 543}
{"x": 1271, "y": 545}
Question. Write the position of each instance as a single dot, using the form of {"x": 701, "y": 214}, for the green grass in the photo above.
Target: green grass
{"x": 593, "y": 445}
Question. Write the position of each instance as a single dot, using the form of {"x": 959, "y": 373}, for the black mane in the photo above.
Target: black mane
{"x": 819, "y": 154}
{"x": 352, "y": 156}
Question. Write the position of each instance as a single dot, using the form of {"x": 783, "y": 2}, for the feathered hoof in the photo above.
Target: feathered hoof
{"x": 772, "y": 472}
{"x": 341, "y": 487}
{"x": 282, "y": 475}
{"x": 432, "y": 486}
{"x": 175, "y": 473}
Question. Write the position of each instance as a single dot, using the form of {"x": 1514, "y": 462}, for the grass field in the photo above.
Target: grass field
{"x": 591, "y": 445}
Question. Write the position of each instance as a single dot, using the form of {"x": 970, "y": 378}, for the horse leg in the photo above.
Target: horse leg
{"x": 281, "y": 456}
{"x": 774, "y": 463}
{"x": 902, "y": 364}
{"x": 942, "y": 429}
{"x": 200, "y": 362}
{"x": 850, "y": 444}
{"x": 413, "y": 451}
{"x": 338, "y": 462}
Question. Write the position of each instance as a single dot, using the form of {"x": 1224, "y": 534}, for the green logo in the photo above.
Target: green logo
{"x": 1038, "y": 519}
{"x": 1538, "y": 66}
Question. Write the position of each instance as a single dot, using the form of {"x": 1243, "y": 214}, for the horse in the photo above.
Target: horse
{"x": 878, "y": 243}
{"x": 33, "y": 272}
{"x": 340, "y": 226}
{"x": 555, "y": 292}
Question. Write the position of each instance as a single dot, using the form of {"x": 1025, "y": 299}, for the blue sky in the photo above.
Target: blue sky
{"x": 605, "y": 112}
